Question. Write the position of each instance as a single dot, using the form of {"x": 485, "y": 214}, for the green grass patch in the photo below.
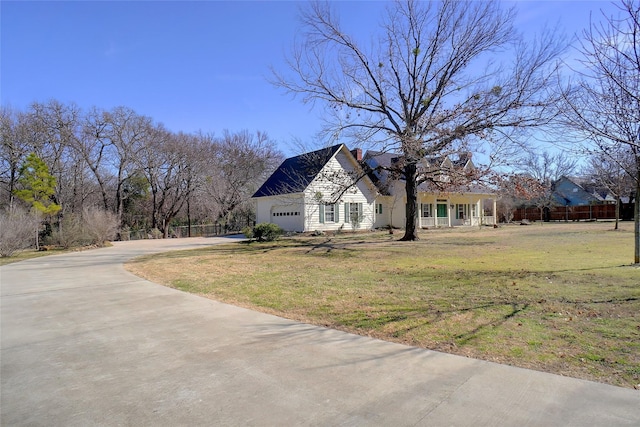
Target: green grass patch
{"x": 560, "y": 298}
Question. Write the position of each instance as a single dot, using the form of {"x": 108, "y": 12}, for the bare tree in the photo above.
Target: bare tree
{"x": 128, "y": 132}
{"x": 54, "y": 127}
{"x": 99, "y": 225}
{"x": 603, "y": 106}
{"x": 428, "y": 85}
{"x": 175, "y": 167}
{"x": 164, "y": 161}
{"x": 14, "y": 147}
{"x": 17, "y": 227}
{"x": 609, "y": 172}
{"x": 546, "y": 169}
{"x": 93, "y": 147}
{"x": 242, "y": 162}
{"x": 127, "y": 164}
{"x": 516, "y": 190}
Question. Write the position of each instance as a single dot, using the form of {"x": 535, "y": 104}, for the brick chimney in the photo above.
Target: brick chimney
{"x": 357, "y": 153}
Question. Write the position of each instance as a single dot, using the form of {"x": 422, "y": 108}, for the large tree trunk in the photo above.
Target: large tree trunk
{"x": 636, "y": 216}
{"x": 188, "y": 218}
{"x": 411, "y": 211}
{"x": 617, "y": 213}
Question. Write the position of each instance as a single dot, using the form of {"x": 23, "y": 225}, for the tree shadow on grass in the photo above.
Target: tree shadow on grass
{"x": 396, "y": 315}
{"x": 466, "y": 337}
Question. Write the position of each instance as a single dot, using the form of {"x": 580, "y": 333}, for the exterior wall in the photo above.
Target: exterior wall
{"x": 383, "y": 212}
{"x": 568, "y": 193}
{"x": 449, "y": 210}
{"x": 327, "y": 190}
{"x": 396, "y": 205}
{"x": 326, "y": 206}
{"x": 455, "y": 210}
{"x": 452, "y": 210}
{"x": 285, "y": 211}
{"x": 398, "y": 211}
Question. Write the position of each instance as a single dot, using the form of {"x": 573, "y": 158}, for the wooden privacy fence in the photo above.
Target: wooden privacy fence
{"x": 573, "y": 213}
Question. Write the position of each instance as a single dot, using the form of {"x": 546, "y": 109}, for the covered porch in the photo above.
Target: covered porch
{"x": 455, "y": 210}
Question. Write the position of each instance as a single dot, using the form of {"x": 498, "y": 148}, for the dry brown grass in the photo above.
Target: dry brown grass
{"x": 560, "y": 298}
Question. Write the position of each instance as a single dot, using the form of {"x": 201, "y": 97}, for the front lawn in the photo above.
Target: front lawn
{"x": 560, "y": 298}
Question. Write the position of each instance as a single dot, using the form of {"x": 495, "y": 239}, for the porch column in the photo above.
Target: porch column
{"x": 495, "y": 211}
{"x": 449, "y": 211}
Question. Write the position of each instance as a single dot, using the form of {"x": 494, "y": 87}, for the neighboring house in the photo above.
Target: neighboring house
{"x": 575, "y": 199}
{"x": 307, "y": 193}
{"x": 567, "y": 192}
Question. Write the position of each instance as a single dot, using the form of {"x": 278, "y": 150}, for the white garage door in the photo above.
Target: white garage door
{"x": 287, "y": 217}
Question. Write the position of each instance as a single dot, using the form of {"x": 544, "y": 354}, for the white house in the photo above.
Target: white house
{"x": 307, "y": 193}
{"x": 311, "y": 192}
{"x": 442, "y": 202}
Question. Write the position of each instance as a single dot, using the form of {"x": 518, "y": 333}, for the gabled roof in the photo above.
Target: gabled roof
{"x": 464, "y": 161}
{"x": 375, "y": 159}
{"x": 568, "y": 193}
{"x": 296, "y": 173}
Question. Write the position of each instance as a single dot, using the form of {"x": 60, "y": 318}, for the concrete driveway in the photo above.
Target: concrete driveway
{"x": 86, "y": 343}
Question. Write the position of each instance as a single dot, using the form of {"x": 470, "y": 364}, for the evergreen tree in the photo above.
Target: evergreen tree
{"x": 37, "y": 186}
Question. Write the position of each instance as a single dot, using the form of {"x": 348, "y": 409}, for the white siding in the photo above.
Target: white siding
{"x": 397, "y": 205}
{"x": 285, "y": 211}
{"x": 302, "y": 211}
{"x": 326, "y": 189}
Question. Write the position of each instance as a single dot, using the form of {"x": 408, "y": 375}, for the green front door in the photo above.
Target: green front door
{"x": 442, "y": 210}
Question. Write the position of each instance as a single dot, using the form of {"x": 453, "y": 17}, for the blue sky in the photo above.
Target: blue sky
{"x": 194, "y": 66}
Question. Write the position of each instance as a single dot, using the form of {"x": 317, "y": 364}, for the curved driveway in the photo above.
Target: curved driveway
{"x": 86, "y": 343}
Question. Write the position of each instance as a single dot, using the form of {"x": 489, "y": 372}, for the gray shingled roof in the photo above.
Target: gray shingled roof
{"x": 296, "y": 173}
{"x": 385, "y": 159}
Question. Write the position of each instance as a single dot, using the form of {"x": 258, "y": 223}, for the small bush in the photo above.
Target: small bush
{"x": 125, "y": 233}
{"x": 248, "y": 232}
{"x": 94, "y": 227}
{"x": 267, "y": 232}
{"x": 100, "y": 225}
{"x": 68, "y": 233}
{"x": 18, "y": 230}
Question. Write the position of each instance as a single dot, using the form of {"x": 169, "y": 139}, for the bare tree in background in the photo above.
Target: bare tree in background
{"x": 17, "y": 227}
{"x": 53, "y": 128}
{"x": 242, "y": 162}
{"x": 14, "y": 147}
{"x": 546, "y": 169}
{"x": 134, "y": 169}
{"x": 167, "y": 161}
{"x": 604, "y": 104}
{"x": 515, "y": 190}
{"x": 609, "y": 171}
{"x": 94, "y": 148}
{"x": 128, "y": 132}
{"x": 428, "y": 84}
